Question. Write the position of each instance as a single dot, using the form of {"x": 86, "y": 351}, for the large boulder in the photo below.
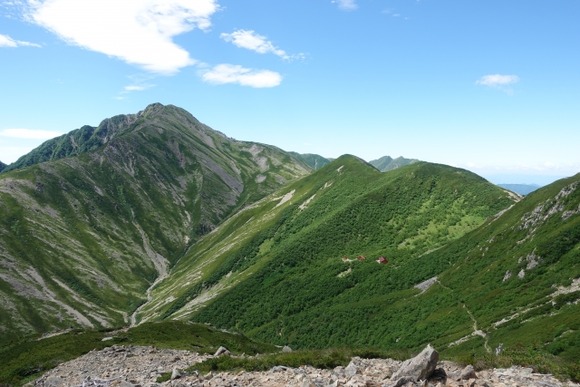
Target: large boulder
{"x": 418, "y": 368}
{"x": 221, "y": 352}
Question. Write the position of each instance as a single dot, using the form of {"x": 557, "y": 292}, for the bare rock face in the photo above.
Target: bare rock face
{"x": 418, "y": 368}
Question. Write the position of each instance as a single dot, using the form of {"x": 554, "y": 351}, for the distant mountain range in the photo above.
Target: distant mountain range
{"x": 155, "y": 216}
{"x": 384, "y": 164}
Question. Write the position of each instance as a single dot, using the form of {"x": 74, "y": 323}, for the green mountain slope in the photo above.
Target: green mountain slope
{"x": 524, "y": 274}
{"x": 312, "y": 160}
{"x": 512, "y": 284}
{"x": 281, "y": 268}
{"x": 83, "y": 236}
{"x": 387, "y": 163}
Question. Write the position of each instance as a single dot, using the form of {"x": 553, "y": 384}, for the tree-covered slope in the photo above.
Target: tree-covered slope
{"x": 510, "y": 286}
{"x": 281, "y": 269}
{"x": 2, "y": 166}
{"x": 519, "y": 275}
{"x": 83, "y": 236}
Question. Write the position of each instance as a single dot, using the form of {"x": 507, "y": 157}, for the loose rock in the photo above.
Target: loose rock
{"x": 468, "y": 373}
{"x": 112, "y": 367}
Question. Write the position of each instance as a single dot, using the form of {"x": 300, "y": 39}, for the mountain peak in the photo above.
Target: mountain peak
{"x": 387, "y": 163}
{"x": 89, "y": 138}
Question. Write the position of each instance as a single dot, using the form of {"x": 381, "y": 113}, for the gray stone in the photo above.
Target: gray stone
{"x": 175, "y": 374}
{"x": 351, "y": 369}
{"x": 468, "y": 373}
{"x": 222, "y": 351}
{"x": 279, "y": 369}
{"x": 420, "y": 367}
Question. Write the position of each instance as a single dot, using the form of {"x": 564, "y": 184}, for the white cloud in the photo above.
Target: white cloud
{"x": 130, "y": 88}
{"x": 250, "y": 40}
{"x": 135, "y": 31}
{"x": 346, "y": 5}
{"x": 29, "y": 134}
{"x": 497, "y": 80}
{"x": 236, "y": 74}
{"x": 7, "y": 41}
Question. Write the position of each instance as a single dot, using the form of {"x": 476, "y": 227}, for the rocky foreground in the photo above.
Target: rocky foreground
{"x": 131, "y": 366}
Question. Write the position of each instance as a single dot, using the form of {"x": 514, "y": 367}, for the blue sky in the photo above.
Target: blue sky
{"x": 488, "y": 85}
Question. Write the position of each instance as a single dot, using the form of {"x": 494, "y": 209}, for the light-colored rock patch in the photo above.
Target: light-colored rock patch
{"x": 285, "y": 198}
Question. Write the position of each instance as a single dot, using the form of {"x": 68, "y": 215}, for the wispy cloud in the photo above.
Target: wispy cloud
{"x": 394, "y": 14}
{"x": 138, "y": 32}
{"x": 138, "y": 83}
{"x": 498, "y": 80}
{"x": 130, "y": 88}
{"x": 7, "y": 41}
{"x": 391, "y": 12}
{"x": 501, "y": 82}
{"x": 236, "y": 74}
{"x": 253, "y": 41}
{"x": 28, "y": 134}
{"x": 346, "y": 5}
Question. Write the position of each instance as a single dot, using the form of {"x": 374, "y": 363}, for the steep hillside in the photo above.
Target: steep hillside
{"x": 523, "y": 270}
{"x": 83, "y": 236}
{"x": 279, "y": 267}
{"x": 387, "y": 163}
{"x": 2, "y": 166}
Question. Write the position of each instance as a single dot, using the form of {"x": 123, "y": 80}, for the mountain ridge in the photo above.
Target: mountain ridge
{"x": 156, "y": 216}
{"x": 387, "y": 163}
{"x": 84, "y": 236}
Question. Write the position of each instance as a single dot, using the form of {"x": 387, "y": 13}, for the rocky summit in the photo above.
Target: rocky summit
{"x": 131, "y": 366}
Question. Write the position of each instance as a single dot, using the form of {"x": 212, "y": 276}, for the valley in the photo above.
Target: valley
{"x": 154, "y": 217}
